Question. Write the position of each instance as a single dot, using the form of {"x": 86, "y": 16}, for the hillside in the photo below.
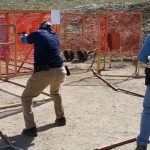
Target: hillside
{"x": 143, "y": 7}
{"x": 90, "y": 6}
{"x": 57, "y": 4}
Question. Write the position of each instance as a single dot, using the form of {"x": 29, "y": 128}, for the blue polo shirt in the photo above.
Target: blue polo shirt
{"x": 46, "y": 47}
{"x": 145, "y": 50}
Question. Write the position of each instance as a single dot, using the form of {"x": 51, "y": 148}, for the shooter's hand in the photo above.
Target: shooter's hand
{"x": 23, "y": 37}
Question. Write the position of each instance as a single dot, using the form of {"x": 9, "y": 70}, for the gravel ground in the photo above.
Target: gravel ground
{"x": 97, "y": 116}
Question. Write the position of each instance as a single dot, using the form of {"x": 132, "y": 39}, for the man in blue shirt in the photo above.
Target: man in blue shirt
{"x": 144, "y": 135}
{"x": 48, "y": 70}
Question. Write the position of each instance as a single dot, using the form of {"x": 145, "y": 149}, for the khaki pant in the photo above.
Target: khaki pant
{"x": 35, "y": 85}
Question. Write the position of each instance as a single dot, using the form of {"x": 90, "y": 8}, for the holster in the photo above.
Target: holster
{"x": 147, "y": 76}
{"x": 67, "y": 70}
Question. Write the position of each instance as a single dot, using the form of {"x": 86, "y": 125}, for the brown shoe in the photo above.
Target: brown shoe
{"x": 30, "y": 132}
{"x": 60, "y": 121}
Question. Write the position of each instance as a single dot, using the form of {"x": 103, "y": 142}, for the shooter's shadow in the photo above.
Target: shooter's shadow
{"x": 20, "y": 142}
{"x": 23, "y": 142}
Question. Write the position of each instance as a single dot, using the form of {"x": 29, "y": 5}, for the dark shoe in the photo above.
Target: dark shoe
{"x": 30, "y": 132}
{"x": 60, "y": 121}
{"x": 141, "y": 147}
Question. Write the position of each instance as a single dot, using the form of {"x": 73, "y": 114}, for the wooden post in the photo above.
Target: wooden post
{"x": 6, "y": 51}
{"x": 137, "y": 68}
{"x": 99, "y": 48}
{"x": 15, "y": 39}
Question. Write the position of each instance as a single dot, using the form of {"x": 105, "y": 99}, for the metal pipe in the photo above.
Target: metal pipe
{"x": 9, "y": 144}
{"x": 111, "y": 75}
{"x": 20, "y": 104}
{"x": 115, "y": 88}
{"x": 129, "y": 92}
{"x": 24, "y": 86}
{"x": 117, "y": 144}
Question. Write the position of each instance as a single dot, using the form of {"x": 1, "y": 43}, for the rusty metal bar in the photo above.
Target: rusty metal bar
{"x": 129, "y": 92}
{"x": 20, "y": 104}
{"x": 111, "y": 75}
{"x": 117, "y": 144}
{"x": 115, "y": 88}
{"x": 24, "y": 87}
{"x": 9, "y": 144}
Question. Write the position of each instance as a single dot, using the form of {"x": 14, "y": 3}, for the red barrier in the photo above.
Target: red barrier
{"x": 77, "y": 31}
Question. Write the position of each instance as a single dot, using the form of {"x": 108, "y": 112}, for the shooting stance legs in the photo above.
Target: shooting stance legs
{"x": 35, "y": 85}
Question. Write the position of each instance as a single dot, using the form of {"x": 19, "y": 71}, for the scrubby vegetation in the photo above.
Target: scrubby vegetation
{"x": 55, "y": 4}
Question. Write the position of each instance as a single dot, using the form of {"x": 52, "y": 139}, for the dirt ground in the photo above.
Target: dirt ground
{"x": 97, "y": 116}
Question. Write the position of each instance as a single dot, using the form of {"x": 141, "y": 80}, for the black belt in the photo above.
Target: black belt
{"x": 38, "y": 68}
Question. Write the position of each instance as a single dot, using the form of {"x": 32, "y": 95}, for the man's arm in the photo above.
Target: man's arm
{"x": 28, "y": 38}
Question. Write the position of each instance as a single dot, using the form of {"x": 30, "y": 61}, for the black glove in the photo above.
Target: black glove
{"x": 22, "y": 33}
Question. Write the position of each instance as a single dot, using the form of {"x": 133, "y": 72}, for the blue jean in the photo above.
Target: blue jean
{"x": 143, "y": 137}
